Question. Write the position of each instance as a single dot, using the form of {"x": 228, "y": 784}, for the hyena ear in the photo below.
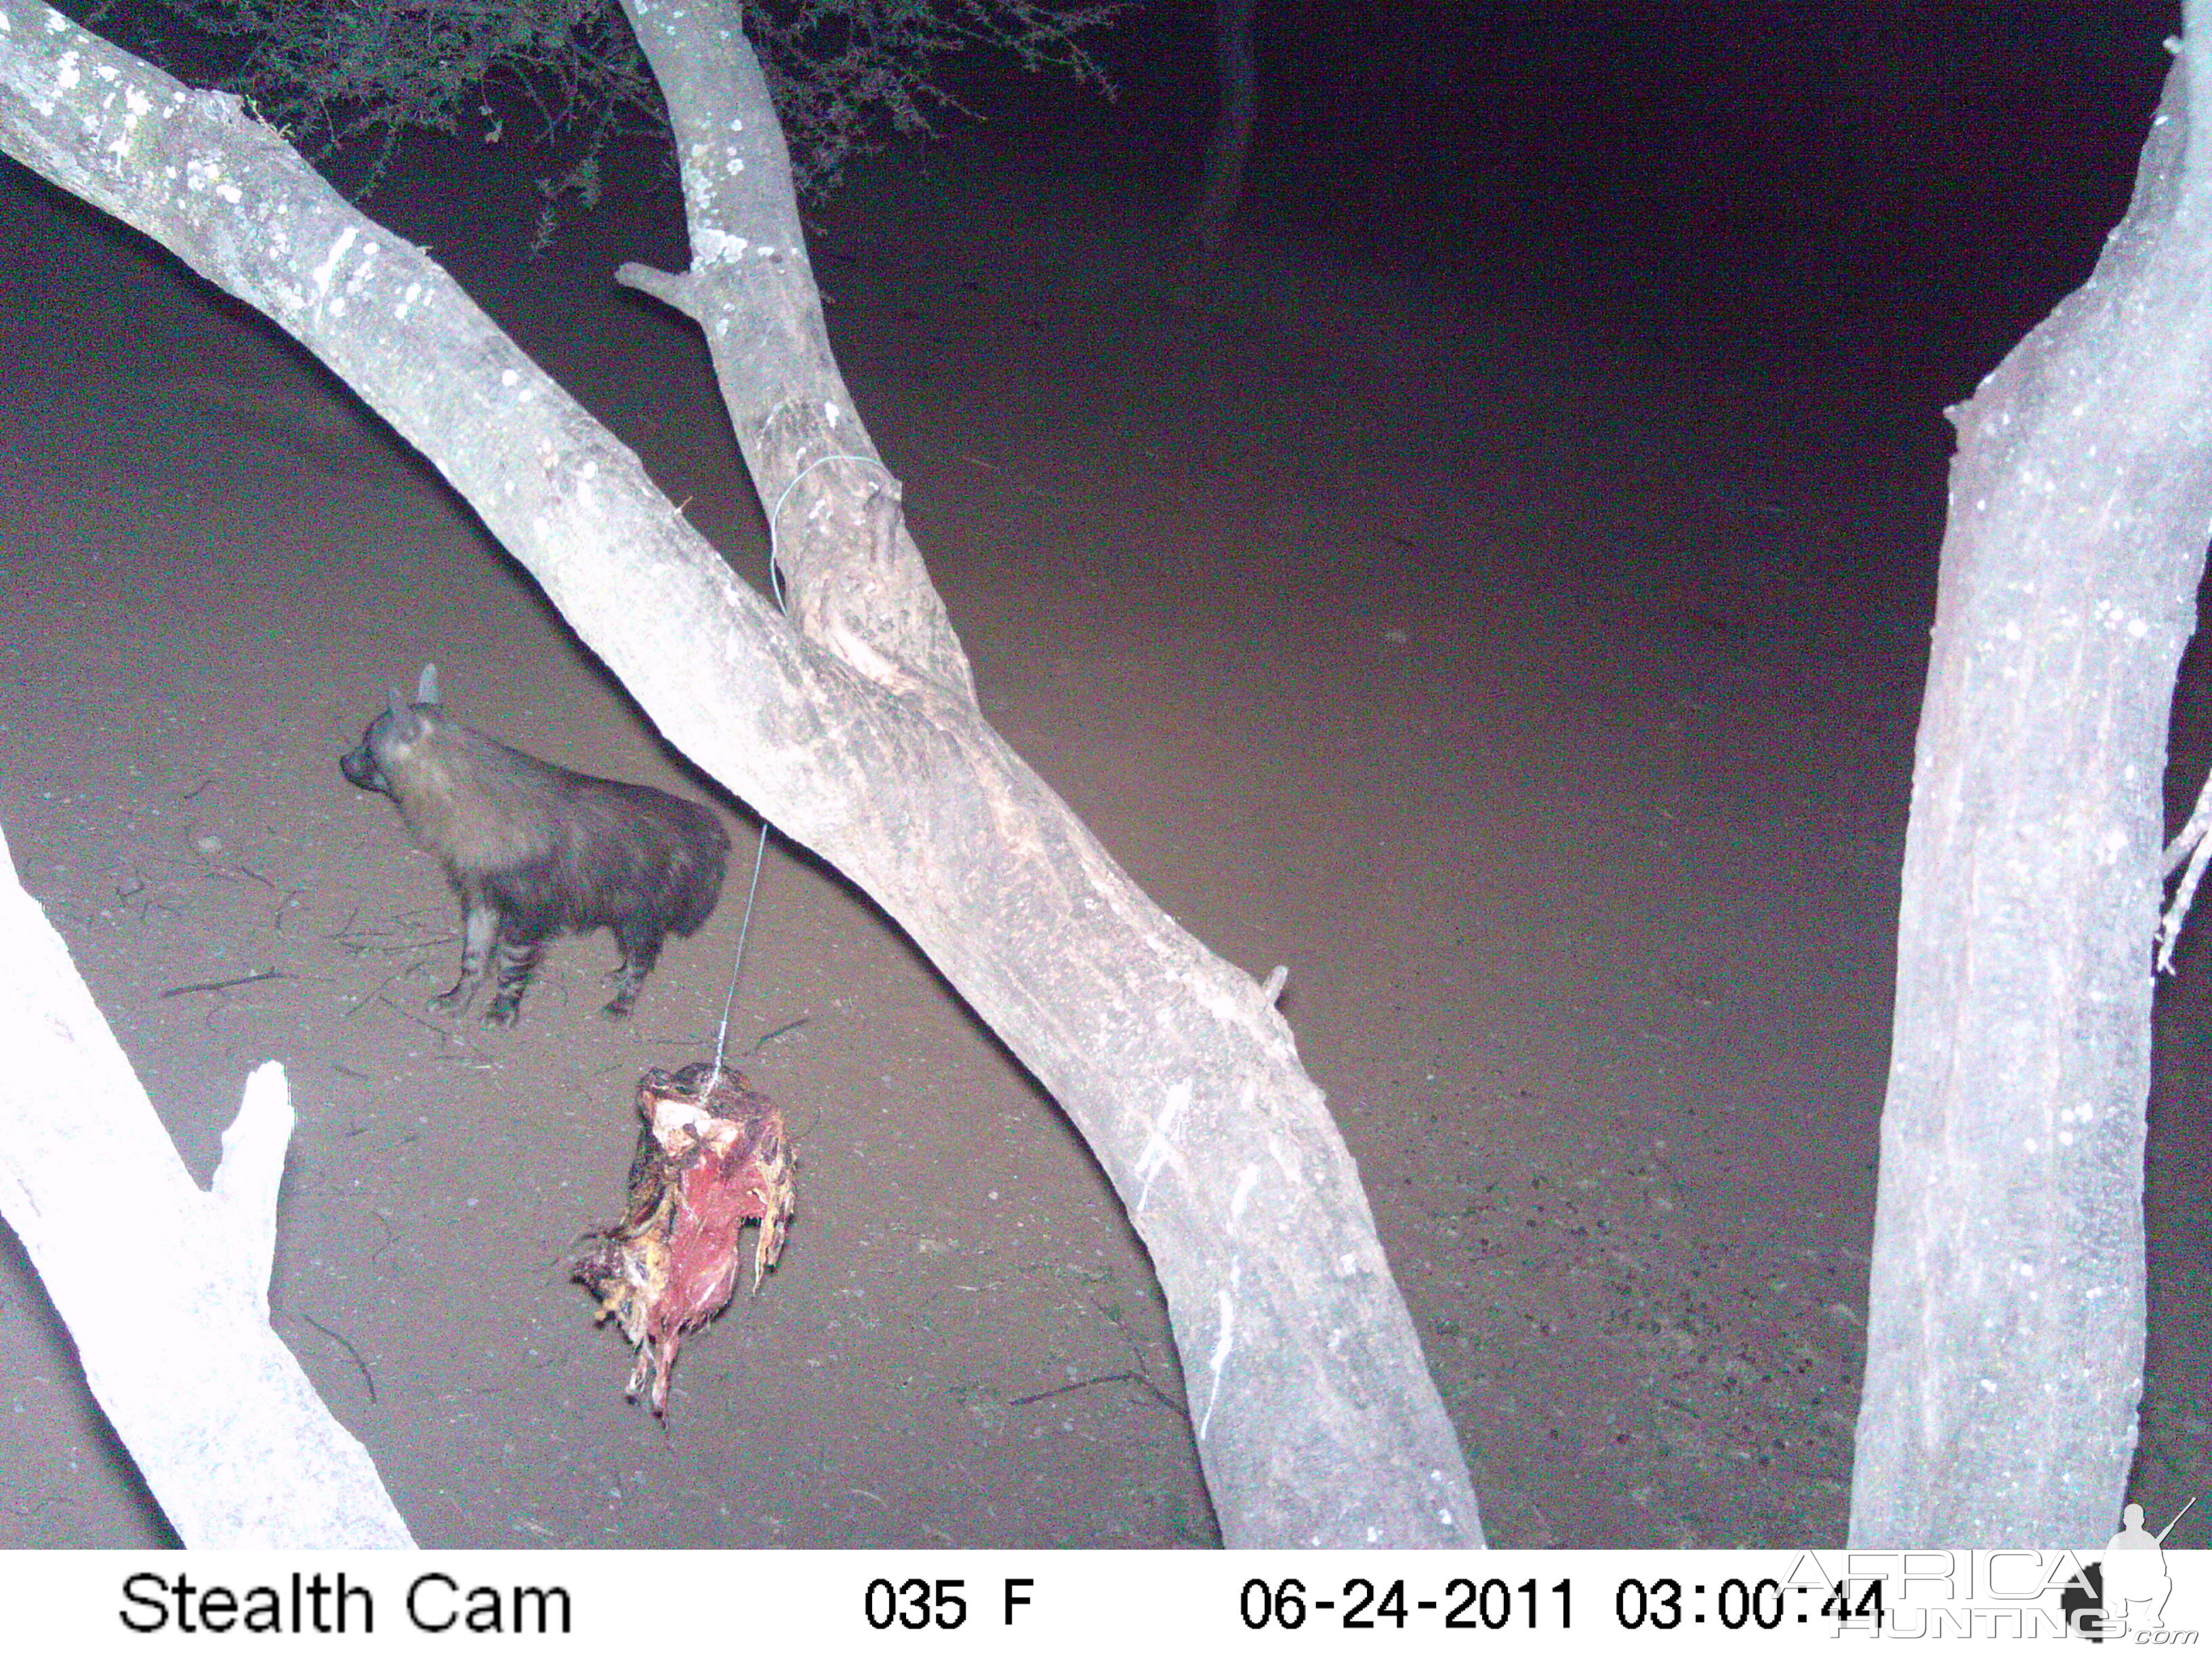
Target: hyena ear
{"x": 426, "y": 689}
{"x": 402, "y": 725}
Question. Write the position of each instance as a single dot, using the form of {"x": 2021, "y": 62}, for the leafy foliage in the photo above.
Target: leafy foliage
{"x": 841, "y": 72}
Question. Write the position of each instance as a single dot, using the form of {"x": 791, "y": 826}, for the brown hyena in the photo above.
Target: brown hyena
{"x": 534, "y": 850}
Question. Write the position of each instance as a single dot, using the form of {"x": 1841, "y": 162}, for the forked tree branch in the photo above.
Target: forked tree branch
{"x": 164, "y": 1288}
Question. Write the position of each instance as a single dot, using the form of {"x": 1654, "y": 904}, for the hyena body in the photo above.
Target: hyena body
{"x": 534, "y": 850}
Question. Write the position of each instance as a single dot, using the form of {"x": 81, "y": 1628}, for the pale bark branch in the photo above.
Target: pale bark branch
{"x": 164, "y": 1288}
{"x": 2005, "y": 1334}
{"x": 2192, "y": 846}
{"x": 671, "y": 290}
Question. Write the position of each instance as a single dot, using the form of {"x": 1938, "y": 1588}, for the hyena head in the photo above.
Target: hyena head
{"x": 392, "y": 738}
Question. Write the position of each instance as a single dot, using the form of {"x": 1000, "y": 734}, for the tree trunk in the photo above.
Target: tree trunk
{"x": 164, "y": 1288}
{"x": 1221, "y": 187}
{"x": 853, "y": 728}
{"x": 2005, "y": 1338}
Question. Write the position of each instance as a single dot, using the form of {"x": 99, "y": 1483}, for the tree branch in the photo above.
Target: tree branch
{"x": 165, "y": 1289}
{"x": 2005, "y": 1334}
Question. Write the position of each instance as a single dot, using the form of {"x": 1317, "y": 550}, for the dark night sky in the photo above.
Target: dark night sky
{"x": 1797, "y": 174}
{"x": 1430, "y": 128}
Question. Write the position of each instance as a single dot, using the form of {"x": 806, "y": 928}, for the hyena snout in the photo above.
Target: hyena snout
{"x": 359, "y": 766}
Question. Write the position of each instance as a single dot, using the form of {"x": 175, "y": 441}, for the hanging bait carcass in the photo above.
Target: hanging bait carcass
{"x": 711, "y": 1157}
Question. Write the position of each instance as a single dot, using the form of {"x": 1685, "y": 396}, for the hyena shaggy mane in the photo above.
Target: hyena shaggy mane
{"x": 534, "y": 850}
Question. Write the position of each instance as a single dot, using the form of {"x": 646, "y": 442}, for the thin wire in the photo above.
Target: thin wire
{"x": 760, "y": 853}
{"x": 738, "y": 967}
{"x": 775, "y": 570}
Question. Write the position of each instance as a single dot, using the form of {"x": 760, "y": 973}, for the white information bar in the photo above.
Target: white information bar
{"x": 703, "y": 1604}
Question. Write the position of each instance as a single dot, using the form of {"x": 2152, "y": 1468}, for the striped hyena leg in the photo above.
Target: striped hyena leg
{"x": 479, "y": 927}
{"x": 639, "y": 939}
{"x": 519, "y": 945}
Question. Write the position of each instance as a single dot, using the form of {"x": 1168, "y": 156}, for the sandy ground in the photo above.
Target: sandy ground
{"x": 1523, "y": 650}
